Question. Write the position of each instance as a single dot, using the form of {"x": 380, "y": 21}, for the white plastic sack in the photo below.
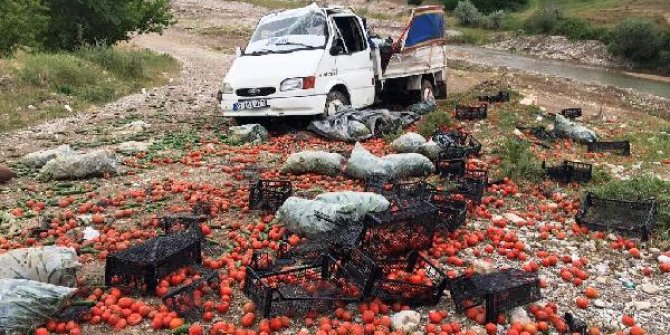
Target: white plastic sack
{"x": 25, "y": 304}
{"x": 362, "y": 164}
{"x": 299, "y": 215}
{"x": 573, "y": 130}
{"x": 314, "y": 162}
{"x": 409, "y": 165}
{"x": 431, "y": 150}
{"x": 49, "y": 264}
{"x": 409, "y": 142}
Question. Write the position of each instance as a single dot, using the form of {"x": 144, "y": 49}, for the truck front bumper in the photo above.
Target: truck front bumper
{"x": 280, "y": 106}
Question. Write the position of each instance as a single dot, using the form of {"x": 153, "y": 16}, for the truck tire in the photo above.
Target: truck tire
{"x": 334, "y": 100}
{"x": 427, "y": 91}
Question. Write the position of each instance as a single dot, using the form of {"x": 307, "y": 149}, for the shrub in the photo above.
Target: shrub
{"x": 579, "y": 29}
{"x": 433, "y": 121}
{"x": 81, "y": 22}
{"x": 518, "y": 162}
{"x": 467, "y": 13}
{"x": 490, "y": 6}
{"x": 543, "y": 21}
{"x": 494, "y": 20}
{"x": 639, "y": 40}
{"x": 22, "y": 22}
{"x": 414, "y": 2}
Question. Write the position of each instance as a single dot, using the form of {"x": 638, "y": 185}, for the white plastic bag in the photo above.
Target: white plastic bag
{"x": 362, "y": 164}
{"x": 409, "y": 142}
{"x": 409, "y": 165}
{"x": 49, "y": 264}
{"x": 25, "y": 303}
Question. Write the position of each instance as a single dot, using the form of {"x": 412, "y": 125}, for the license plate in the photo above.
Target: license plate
{"x": 250, "y": 104}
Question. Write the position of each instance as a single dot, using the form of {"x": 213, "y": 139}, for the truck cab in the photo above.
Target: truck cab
{"x": 306, "y": 61}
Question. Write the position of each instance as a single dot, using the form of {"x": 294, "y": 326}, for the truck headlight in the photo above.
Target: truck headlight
{"x": 226, "y": 88}
{"x": 291, "y": 84}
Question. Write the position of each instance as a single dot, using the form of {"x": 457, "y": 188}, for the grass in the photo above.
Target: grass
{"x": 365, "y": 12}
{"x": 49, "y": 81}
{"x": 240, "y": 32}
{"x": 278, "y": 4}
{"x": 431, "y": 122}
{"x": 475, "y": 36}
{"x": 642, "y": 187}
{"x": 518, "y": 162}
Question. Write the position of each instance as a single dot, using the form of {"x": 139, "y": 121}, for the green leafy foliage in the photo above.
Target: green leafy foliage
{"x": 22, "y": 22}
{"x": 518, "y": 161}
{"x": 467, "y": 13}
{"x": 489, "y": 6}
{"x": 431, "y": 122}
{"x": 639, "y": 40}
{"x": 414, "y": 2}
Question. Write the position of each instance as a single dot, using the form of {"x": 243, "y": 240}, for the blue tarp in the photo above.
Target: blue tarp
{"x": 425, "y": 27}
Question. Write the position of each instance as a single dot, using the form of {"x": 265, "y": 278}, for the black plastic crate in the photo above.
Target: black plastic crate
{"x": 187, "y": 300}
{"x": 569, "y": 172}
{"x": 141, "y": 267}
{"x": 267, "y": 261}
{"x": 345, "y": 237}
{"x": 500, "y": 291}
{"x": 471, "y": 112}
{"x": 380, "y": 184}
{"x": 394, "y": 233}
{"x": 571, "y": 113}
{"x": 500, "y": 97}
{"x": 575, "y": 325}
{"x": 410, "y": 194}
{"x": 449, "y": 167}
{"x": 539, "y": 132}
{"x": 317, "y": 287}
{"x": 471, "y": 185}
{"x": 390, "y": 279}
{"x": 456, "y": 144}
{"x": 620, "y": 147}
{"x": 72, "y": 313}
{"x": 183, "y": 221}
{"x": 452, "y": 212}
{"x": 629, "y": 218}
{"x": 269, "y": 195}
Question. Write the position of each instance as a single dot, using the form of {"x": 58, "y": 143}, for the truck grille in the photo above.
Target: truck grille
{"x": 255, "y": 91}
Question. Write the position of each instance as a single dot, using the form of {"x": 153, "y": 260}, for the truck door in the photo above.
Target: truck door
{"x": 354, "y": 64}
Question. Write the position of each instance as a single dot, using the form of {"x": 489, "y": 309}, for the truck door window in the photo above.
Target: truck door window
{"x": 351, "y": 33}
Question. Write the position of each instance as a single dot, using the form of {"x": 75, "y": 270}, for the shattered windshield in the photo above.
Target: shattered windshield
{"x": 298, "y": 29}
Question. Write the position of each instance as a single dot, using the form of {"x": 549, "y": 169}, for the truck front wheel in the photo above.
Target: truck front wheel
{"x": 334, "y": 100}
{"x": 427, "y": 91}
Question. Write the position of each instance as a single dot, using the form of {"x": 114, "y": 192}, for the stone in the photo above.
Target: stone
{"x": 93, "y": 164}
{"x": 406, "y": 321}
{"x": 663, "y": 259}
{"x": 599, "y": 303}
{"x": 641, "y": 305}
{"x": 518, "y": 314}
{"x": 39, "y": 158}
{"x": 408, "y": 142}
{"x": 132, "y": 147}
{"x": 650, "y": 289}
{"x": 68, "y": 108}
{"x": 528, "y": 101}
{"x": 6, "y": 174}
{"x": 134, "y": 127}
{"x": 514, "y": 218}
{"x": 482, "y": 267}
{"x": 248, "y": 133}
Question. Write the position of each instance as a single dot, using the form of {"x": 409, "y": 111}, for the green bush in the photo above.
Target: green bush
{"x": 467, "y": 13}
{"x": 414, "y": 2}
{"x": 518, "y": 162}
{"x": 494, "y": 20}
{"x": 544, "y": 20}
{"x": 22, "y": 22}
{"x": 579, "y": 29}
{"x": 433, "y": 121}
{"x": 489, "y": 6}
{"x": 638, "y": 40}
{"x": 76, "y": 23}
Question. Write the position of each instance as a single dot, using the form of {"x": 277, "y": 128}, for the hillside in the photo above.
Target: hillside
{"x": 607, "y": 12}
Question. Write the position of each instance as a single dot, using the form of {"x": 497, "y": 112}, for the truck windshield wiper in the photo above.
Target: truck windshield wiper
{"x": 261, "y": 52}
{"x": 298, "y": 44}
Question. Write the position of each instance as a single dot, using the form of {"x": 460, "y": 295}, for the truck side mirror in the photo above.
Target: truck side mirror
{"x": 337, "y": 48}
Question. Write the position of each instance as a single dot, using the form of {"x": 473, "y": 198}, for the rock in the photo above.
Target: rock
{"x": 641, "y": 305}
{"x": 528, "y": 101}
{"x": 248, "y": 133}
{"x": 482, "y": 267}
{"x": 431, "y": 150}
{"x": 602, "y": 269}
{"x": 518, "y": 314}
{"x": 514, "y": 218}
{"x": 320, "y": 162}
{"x": 90, "y": 233}
{"x": 650, "y": 289}
{"x": 663, "y": 259}
{"x": 68, "y": 108}
{"x": 516, "y": 132}
{"x": 6, "y": 174}
{"x": 93, "y": 164}
{"x": 134, "y": 127}
{"x": 599, "y": 303}
{"x": 133, "y": 147}
{"x": 478, "y": 330}
{"x": 39, "y": 158}
{"x": 409, "y": 142}
{"x": 405, "y": 321}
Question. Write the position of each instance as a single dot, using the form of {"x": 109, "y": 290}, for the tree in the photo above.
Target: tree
{"x": 75, "y": 23}
{"x": 467, "y": 13}
{"x": 22, "y": 23}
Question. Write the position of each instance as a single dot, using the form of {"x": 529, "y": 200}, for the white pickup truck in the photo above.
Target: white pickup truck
{"x": 311, "y": 60}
